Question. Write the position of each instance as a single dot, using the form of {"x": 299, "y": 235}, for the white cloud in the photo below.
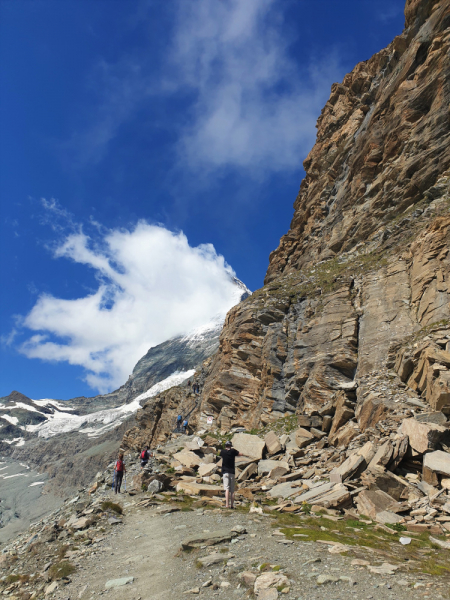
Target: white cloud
{"x": 152, "y": 286}
{"x": 243, "y": 101}
{"x": 255, "y": 108}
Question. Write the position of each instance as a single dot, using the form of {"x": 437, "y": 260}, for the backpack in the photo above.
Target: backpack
{"x": 143, "y": 454}
{"x": 119, "y": 465}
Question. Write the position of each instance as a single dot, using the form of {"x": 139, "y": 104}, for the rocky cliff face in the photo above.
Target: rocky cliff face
{"x": 357, "y": 294}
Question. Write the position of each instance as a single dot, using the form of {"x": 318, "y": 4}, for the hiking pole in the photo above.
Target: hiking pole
{"x": 125, "y": 483}
{"x": 113, "y": 482}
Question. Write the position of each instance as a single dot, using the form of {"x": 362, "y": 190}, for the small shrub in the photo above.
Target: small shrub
{"x": 62, "y": 551}
{"x": 61, "y": 569}
{"x": 276, "y": 568}
{"x": 306, "y": 508}
{"x": 397, "y": 527}
{"x": 108, "y": 505}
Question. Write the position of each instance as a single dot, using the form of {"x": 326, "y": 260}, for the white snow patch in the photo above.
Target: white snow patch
{"x": 15, "y": 475}
{"x": 171, "y": 381}
{"x": 36, "y": 483}
{"x": 19, "y": 439}
{"x": 20, "y": 443}
{"x": 58, "y": 404}
{"x": 103, "y": 420}
{"x": 13, "y": 420}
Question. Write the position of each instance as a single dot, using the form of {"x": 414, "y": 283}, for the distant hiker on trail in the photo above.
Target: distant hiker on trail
{"x": 189, "y": 383}
{"x": 185, "y": 425}
{"x": 144, "y": 457}
{"x": 119, "y": 471}
{"x": 228, "y": 456}
{"x": 179, "y": 419}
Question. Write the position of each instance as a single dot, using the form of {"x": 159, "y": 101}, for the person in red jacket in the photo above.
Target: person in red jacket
{"x": 119, "y": 471}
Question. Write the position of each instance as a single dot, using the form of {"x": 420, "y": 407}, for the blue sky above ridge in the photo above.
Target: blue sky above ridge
{"x": 176, "y": 126}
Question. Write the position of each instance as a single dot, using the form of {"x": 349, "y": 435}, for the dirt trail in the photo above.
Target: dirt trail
{"x": 146, "y": 547}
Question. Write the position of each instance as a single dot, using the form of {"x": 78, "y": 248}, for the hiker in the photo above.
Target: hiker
{"x": 228, "y": 456}
{"x": 189, "y": 383}
{"x": 119, "y": 470}
{"x": 144, "y": 457}
{"x": 179, "y": 419}
{"x": 185, "y": 424}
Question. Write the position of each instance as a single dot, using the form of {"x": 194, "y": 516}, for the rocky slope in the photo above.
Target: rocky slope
{"x": 359, "y": 286}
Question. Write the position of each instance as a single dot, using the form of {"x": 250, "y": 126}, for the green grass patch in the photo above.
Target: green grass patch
{"x": 61, "y": 569}
{"x": 426, "y": 556}
{"x": 108, "y": 505}
{"x": 15, "y": 578}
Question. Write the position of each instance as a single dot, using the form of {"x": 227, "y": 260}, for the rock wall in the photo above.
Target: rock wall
{"x": 365, "y": 264}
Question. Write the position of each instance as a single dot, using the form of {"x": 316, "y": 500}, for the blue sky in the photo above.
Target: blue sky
{"x": 148, "y": 150}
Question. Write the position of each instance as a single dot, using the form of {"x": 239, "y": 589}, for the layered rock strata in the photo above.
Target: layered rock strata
{"x": 365, "y": 266}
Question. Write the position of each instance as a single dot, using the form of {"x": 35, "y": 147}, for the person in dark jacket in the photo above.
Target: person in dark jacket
{"x": 228, "y": 455}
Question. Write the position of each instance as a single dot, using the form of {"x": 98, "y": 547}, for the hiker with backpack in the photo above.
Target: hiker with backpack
{"x": 144, "y": 457}
{"x": 185, "y": 425}
{"x": 179, "y": 419}
{"x": 119, "y": 471}
{"x": 228, "y": 456}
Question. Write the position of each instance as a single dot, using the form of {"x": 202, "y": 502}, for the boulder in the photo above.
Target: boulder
{"x": 81, "y": 523}
{"x": 141, "y": 480}
{"x": 357, "y": 461}
{"x": 379, "y": 479}
{"x": 372, "y": 411}
{"x": 272, "y": 442}
{"x": 247, "y": 577}
{"x": 345, "y": 435}
{"x": 328, "y": 495}
{"x": 382, "y": 456}
{"x": 248, "y": 472}
{"x": 188, "y": 458}
{"x": 284, "y": 490}
{"x": 326, "y": 423}
{"x": 438, "y": 418}
{"x": 207, "y": 469}
{"x": 197, "y": 489}
{"x": 208, "y": 539}
{"x": 270, "y": 580}
{"x": 387, "y": 517}
{"x": 115, "y": 583}
{"x": 437, "y": 462}
{"x": 303, "y": 437}
{"x": 278, "y": 471}
{"x": 424, "y": 436}
{"x": 155, "y": 487}
{"x": 342, "y": 415}
{"x": 399, "y": 452}
{"x": 249, "y": 445}
{"x": 214, "y": 559}
{"x": 265, "y": 466}
{"x": 372, "y": 502}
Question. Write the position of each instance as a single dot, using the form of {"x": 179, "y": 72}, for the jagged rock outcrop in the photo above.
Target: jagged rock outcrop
{"x": 382, "y": 144}
{"x": 365, "y": 264}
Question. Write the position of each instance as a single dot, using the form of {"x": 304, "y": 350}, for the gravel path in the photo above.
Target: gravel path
{"x": 146, "y": 547}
